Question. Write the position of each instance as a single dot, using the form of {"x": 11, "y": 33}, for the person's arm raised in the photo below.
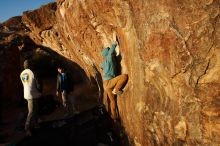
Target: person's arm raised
{"x": 112, "y": 49}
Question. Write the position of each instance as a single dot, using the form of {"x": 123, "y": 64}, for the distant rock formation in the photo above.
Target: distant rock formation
{"x": 170, "y": 50}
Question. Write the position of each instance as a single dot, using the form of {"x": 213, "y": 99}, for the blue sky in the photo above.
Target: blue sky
{"x": 10, "y": 8}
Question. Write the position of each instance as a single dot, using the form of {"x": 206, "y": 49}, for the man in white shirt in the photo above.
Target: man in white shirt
{"x": 31, "y": 94}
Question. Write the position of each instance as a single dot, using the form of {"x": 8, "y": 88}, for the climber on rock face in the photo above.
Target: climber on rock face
{"x": 112, "y": 83}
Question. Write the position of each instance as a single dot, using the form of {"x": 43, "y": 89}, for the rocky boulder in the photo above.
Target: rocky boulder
{"x": 169, "y": 49}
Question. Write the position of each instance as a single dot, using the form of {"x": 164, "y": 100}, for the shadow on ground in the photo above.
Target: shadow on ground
{"x": 90, "y": 128}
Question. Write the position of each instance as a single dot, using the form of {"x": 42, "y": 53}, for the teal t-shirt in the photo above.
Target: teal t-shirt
{"x": 108, "y": 64}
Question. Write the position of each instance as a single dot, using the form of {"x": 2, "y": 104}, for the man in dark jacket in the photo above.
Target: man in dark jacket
{"x": 63, "y": 87}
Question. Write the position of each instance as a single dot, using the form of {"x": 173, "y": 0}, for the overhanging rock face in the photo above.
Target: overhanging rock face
{"x": 170, "y": 50}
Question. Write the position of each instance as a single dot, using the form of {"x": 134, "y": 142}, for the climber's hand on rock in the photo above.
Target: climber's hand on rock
{"x": 115, "y": 42}
{"x": 114, "y": 36}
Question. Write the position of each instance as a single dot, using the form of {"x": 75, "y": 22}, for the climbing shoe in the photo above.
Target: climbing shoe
{"x": 117, "y": 93}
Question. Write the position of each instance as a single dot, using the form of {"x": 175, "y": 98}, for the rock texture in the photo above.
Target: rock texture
{"x": 169, "y": 48}
{"x": 10, "y": 59}
{"x": 10, "y": 62}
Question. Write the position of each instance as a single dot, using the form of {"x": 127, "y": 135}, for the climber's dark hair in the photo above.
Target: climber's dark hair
{"x": 61, "y": 66}
{"x": 26, "y": 64}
